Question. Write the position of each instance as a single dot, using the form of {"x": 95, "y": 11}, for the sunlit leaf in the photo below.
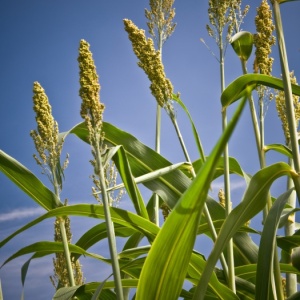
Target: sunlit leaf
{"x": 280, "y": 149}
{"x": 245, "y": 84}
{"x": 168, "y": 260}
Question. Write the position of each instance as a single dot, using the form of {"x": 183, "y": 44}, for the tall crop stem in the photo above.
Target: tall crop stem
{"x": 64, "y": 235}
{"x": 291, "y": 280}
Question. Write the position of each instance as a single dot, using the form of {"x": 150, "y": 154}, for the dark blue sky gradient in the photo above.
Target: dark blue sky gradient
{"x": 39, "y": 42}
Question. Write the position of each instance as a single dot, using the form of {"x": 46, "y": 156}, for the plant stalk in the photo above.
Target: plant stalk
{"x": 288, "y": 92}
{"x": 288, "y": 101}
{"x": 64, "y": 235}
{"x": 289, "y": 229}
{"x": 158, "y": 130}
{"x": 109, "y": 224}
{"x": 228, "y": 204}
{"x": 157, "y": 149}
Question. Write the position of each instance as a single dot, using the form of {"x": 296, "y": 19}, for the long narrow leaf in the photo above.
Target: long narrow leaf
{"x": 267, "y": 247}
{"x": 132, "y": 189}
{"x": 119, "y": 216}
{"x": 167, "y": 262}
{"x": 45, "y": 248}
{"x": 247, "y": 83}
{"x": 28, "y": 182}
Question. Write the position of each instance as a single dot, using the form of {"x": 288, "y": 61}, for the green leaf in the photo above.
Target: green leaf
{"x": 195, "y": 269}
{"x": 249, "y": 271}
{"x": 45, "y": 248}
{"x": 170, "y": 188}
{"x": 242, "y": 44}
{"x": 280, "y": 149}
{"x": 234, "y": 168}
{"x": 167, "y": 262}
{"x": 98, "y": 233}
{"x": 118, "y": 215}
{"x": 132, "y": 189}
{"x": 287, "y": 243}
{"x": 195, "y": 133}
{"x": 28, "y": 182}
{"x": 253, "y": 202}
{"x": 143, "y": 160}
{"x": 65, "y": 293}
{"x": 245, "y": 84}
{"x": 268, "y": 246}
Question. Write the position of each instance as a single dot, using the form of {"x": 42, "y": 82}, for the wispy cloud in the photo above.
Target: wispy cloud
{"x": 21, "y": 213}
{"x": 234, "y": 185}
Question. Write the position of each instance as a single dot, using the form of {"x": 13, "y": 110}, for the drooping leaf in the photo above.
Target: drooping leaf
{"x": 242, "y": 44}
{"x": 245, "y": 84}
{"x": 143, "y": 160}
{"x": 119, "y": 216}
{"x": 28, "y": 182}
{"x": 280, "y": 149}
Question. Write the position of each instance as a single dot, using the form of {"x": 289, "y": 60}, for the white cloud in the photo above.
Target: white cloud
{"x": 234, "y": 185}
{"x": 21, "y": 213}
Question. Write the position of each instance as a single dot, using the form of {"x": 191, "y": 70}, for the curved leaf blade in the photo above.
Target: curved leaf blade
{"x": 132, "y": 189}
{"x": 167, "y": 262}
{"x": 28, "y": 182}
{"x": 280, "y": 149}
{"x": 245, "y": 84}
{"x": 267, "y": 246}
{"x": 119, "y": 216}
{"x": 242, "y": 44}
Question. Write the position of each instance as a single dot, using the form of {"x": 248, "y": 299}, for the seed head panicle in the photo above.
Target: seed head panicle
{"x": 150, "y": 61}
{"x": 225, "y": 14}
{"x": 46, "y": 137}
{"x": 91, "y": 107}
{"x": 263, "y": 39}
{"x": 281, "y": 109}
{"x": 160, "y": 16}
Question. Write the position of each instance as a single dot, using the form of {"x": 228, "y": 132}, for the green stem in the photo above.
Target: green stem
{"x": 64, "y": 235}
{"x": 228, "y": 204}
{"x": 287, "y": 91}
{"x": 288, "y": 97}
{"x": 289, "y": 229}
{"x": 158, "y": 130}
{"x": 157, "y": 149}
{"x": 259, "y": 134}
{"x": 109, "y": 224}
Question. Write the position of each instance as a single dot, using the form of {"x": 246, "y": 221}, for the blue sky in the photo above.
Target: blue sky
{"x": 40, "y": 42}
